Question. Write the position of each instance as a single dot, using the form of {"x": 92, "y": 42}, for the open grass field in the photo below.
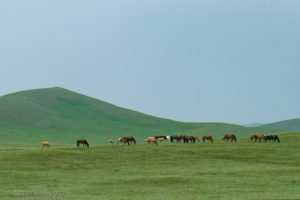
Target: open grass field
{"x": 221, "y": 170}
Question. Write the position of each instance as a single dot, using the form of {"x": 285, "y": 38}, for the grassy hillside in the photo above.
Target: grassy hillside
{"x": 227, "y": 171}
{"x": 63, "y": 116}
{"x": 289, "y": 125}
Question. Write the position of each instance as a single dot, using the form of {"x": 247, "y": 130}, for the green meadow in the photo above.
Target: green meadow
{"x": 222, "y": 170}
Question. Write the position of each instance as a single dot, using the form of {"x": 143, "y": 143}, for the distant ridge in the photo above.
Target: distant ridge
{"x": 63, "y": 115}
{"x": 253, "y": 125}
{"x": 286, "y": 125}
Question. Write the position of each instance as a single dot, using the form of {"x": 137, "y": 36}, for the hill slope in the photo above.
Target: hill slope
{"x": 288, "y": 125}
{"x": 63, "y": 115}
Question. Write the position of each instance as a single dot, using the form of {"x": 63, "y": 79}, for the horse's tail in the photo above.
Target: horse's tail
{"x": 277, "y": 138}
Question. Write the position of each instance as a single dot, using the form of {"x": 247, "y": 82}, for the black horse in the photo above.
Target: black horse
{"x": 83, "y": 142}
{"x": 174, "y": 138}
{"x": 187, "y": 139}
{"x": 271, "y": 138}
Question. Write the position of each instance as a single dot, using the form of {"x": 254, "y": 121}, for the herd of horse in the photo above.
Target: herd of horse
{"x": 180, "y": 138}
{"x": 177, "y": 139}
{"x": 264, "y": 138}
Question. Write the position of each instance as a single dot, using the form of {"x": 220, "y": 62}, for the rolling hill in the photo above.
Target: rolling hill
{"x": 61, "y": 115}
{"x": 287, "y": 125}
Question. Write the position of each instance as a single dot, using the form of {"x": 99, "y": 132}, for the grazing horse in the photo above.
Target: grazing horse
{"x": 259, "y": 137}
{"x": 230, "y": 137}
{"x": 127, "y": 140}
{"x": 161, "y": 138}
{"x": 45, "y": 144}
{"x": 188, "y": 139}
{"x": 83, "y": 142}
{"x": 152, "y": 140}
{"x": 174, "y": 138}
{"x": 272, "y": 138}
{"x": 208, "y": 138}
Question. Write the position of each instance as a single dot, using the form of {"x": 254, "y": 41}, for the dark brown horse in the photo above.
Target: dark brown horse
{"x": 127, "y": 140}
{"x": 230, "y": 137}
{"x": 83, "y": 142}
{"x": 207, "y": 138}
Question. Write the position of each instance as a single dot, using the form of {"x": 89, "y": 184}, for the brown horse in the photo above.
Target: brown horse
{"x": 127, "y": 140}
{"x": 230, "y": 137}
{"x": 83, "y": 142}
{"x": 45, "y": 144}
{"x": 152, "y": 140}
{"x": 257, "y": 137}
{"x": 208, "y": 138}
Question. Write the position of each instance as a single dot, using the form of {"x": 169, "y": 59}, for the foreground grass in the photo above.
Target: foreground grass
{"x": 169, "y": 171}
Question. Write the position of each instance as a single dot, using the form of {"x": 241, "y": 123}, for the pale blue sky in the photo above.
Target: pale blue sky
{"x": 190, "y": 60}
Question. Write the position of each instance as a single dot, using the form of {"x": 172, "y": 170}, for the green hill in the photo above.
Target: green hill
{"x": 287, "y": 125}
{"x": 63, "y": 116}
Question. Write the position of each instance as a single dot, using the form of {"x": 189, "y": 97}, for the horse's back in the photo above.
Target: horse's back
{"x": 45, "y": 142}
{"x": 151, "y": 139}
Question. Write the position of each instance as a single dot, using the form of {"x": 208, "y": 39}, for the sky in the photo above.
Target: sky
{"x": 189, "y": 60}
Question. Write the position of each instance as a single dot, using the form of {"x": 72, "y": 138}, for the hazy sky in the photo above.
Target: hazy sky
{"x": 189, "y": 60}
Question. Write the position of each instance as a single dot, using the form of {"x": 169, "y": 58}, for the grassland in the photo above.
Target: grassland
{"x": 221, "y": 170}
